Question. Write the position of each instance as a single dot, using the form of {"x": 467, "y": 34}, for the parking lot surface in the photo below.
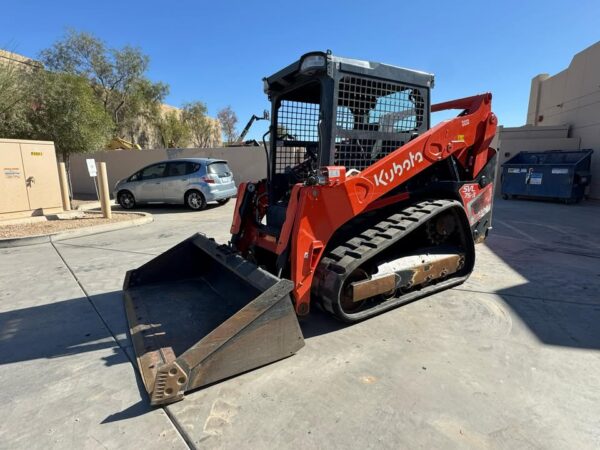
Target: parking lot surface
{"x": 510, "y": 359}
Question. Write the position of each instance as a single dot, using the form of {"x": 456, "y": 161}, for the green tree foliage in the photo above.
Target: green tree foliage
{"x": 174, "y": 132}
{"x": 15, "y": 96}
{"x": 228, "y": 120}
{"x": 66, "y": 110}
{"x": 142, "y": 109}
{"x": 205, "y": 131}
{"x": 116, "y": 75}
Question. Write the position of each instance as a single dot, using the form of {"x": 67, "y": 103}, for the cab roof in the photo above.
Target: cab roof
{"x": 335, "y": 64}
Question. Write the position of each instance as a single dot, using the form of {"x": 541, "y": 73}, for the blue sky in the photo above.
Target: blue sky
{"x": 218, "y": 52}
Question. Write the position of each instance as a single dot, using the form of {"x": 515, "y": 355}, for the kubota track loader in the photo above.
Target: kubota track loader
{"x": 365, "y": 207}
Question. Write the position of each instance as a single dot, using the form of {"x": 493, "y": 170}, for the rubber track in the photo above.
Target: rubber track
{"x": 342, "y": 260}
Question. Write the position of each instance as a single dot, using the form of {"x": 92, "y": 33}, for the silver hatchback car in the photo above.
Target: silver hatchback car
{"x": 190, "y": 181}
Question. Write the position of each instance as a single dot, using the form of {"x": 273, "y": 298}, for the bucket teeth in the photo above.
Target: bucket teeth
{"x": 170, "y": 384}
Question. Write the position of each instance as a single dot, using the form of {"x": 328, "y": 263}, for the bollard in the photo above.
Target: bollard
{"x": 104, "y": 193}
{"x": 64, "y": 187}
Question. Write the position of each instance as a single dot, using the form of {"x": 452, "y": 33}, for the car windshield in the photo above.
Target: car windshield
{"x": 220, "y": 169}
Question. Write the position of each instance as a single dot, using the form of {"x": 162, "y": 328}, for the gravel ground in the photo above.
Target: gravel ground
{"x": 55, "y": 226}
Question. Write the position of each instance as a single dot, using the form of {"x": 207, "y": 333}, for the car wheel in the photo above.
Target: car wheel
{"x": 126, "y": 200}
{"x": 223, "y": 202}
{"x": 195, "y": 200}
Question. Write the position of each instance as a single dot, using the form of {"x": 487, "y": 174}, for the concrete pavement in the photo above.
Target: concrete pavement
{"x": 509, "y": 359}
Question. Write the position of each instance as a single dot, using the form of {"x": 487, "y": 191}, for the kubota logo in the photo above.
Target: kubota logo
{"x": 387, "y": 175}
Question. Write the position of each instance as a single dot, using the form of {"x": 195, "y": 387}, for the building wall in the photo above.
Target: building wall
{"x": 247, "y": 163}
{"x": 20, "y": 61}
{"x": 572, "y": 97}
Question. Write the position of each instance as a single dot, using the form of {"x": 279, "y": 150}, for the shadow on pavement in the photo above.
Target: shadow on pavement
{"x": 162, "y": 208}
{"x": 137, "y": 409}
{"x": 558, "y": 322}
{"x": 68, "y": 328}
{"x": 318, "y": 323}
{"x": 53, "y": 330}
{"x": 559, "y": 257}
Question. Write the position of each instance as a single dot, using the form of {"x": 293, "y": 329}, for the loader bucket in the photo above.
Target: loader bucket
{"x": 200, "y": 313}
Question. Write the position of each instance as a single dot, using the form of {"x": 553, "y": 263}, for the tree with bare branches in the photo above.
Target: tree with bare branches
{"x": 228, "y": 120}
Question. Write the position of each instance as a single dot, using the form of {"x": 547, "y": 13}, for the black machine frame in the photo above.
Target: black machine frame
{"x": 331, "y": 114}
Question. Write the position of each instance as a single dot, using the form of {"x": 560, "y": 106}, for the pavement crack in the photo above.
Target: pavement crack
{"x": 106, "y": 248}
{"x": 182, "y": 433}
{"x": 87, "y": 296}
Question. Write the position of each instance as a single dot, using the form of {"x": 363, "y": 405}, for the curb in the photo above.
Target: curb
{"x": 92, "y": 205}
{"x": 80, "y": 232}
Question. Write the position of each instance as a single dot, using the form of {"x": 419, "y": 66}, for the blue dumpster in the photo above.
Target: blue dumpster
{"x": 556, "y": 174}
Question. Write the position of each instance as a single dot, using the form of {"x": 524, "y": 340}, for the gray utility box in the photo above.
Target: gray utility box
{"x": 555, "y": 174}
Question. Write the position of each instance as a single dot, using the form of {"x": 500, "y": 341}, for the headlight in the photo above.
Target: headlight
{"x": 312, "y": 62}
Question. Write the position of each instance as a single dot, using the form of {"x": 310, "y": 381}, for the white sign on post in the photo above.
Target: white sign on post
{"x": 91, "y": 165}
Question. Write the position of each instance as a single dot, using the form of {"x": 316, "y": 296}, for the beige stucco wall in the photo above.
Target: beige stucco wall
{"x": 572, "y": 97}
{"x": 20, "y": 61}
{"x": 247, "y": 163}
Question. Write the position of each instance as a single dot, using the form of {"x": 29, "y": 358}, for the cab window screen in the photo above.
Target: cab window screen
{"x": 297, "y": 127}
{"x": 374, "y": 118}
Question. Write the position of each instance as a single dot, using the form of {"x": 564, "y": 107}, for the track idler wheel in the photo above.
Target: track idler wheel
{"x": 440, "y": 228}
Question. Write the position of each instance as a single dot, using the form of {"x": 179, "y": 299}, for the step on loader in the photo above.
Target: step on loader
{"x": 365, "y": 207}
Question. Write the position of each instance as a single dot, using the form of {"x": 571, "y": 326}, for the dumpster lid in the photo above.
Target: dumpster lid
{"x": 554, "y": 157}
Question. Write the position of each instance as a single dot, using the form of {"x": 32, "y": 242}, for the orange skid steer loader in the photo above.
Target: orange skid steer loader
{"x": 365, "y": 207}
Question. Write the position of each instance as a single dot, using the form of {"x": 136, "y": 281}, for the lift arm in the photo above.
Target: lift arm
{"x": 253, "y": 119}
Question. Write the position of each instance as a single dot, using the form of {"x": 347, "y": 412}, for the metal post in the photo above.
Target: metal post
{"x": 64, "y": 186}
{"x": 104, "y": 194}
{"x": 96, "y": 187}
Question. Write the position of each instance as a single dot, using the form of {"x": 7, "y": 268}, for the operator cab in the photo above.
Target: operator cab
{"x": 333, "y": 111}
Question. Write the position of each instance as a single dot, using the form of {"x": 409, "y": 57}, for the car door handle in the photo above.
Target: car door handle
{"x": 157, "y": 182}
